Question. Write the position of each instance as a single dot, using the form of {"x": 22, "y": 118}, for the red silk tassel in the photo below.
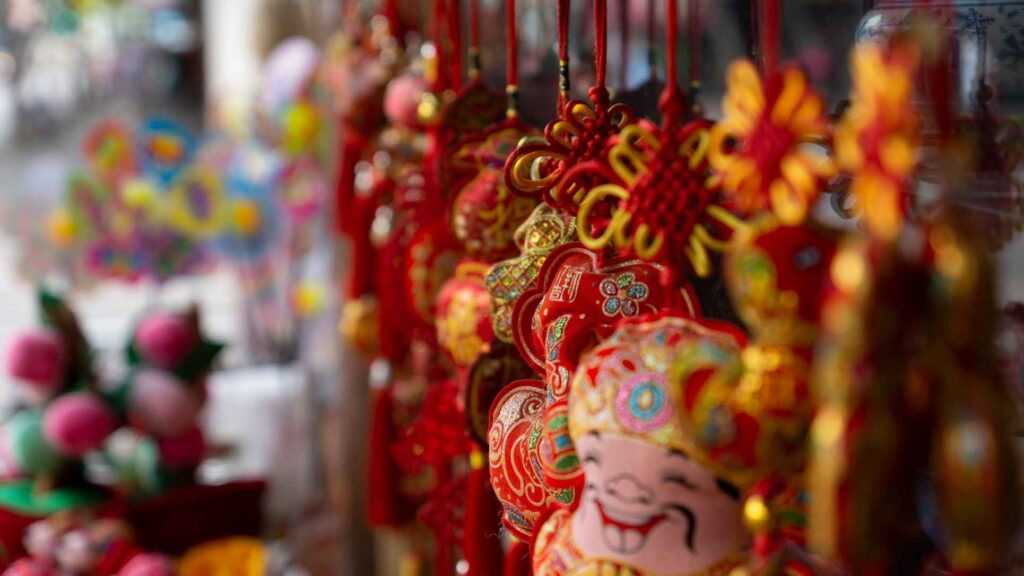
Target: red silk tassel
{"x": 384, "y": 507}
{"x": 517, "y": 560}
{"x": 349, "y": 154}
{"x": 481, "y": 526}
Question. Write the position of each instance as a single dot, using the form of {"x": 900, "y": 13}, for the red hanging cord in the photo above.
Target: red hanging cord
{"x": 768, "y": 30}
{"x": 564, "y": 8}
{"x": 600, "y": 44}
{"x": 693, "y": 34}
{"x": 455, "y": 39}
{"x": 651, "y": 31}
{"x": 624, "y": 33}
{"x": 671, "y": 103}
{"x": 436, "y": 75}
{"x": 671, "y": 37}
{"x": 474, "y": 39}
{"x": 940, "y": 80}
{"x": 511, "y": 60}
{"x": 394, "y": 18}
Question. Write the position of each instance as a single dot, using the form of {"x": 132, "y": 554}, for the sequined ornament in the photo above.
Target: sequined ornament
{"x": 542, "y": 232}
{"x": 464, "y": 329}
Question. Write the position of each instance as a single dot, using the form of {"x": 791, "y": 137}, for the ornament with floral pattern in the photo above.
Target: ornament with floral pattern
{"x": 879, "y": 139}
{"x": 760, "y": 147}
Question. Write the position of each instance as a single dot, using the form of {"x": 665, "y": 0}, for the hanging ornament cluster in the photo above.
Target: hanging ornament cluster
{"x": 85, "y": 456}
{"x": 546, "y": 348}
{"x": 150, "y": 204}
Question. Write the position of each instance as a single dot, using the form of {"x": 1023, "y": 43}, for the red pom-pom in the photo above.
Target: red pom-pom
{"x": 184, "y": 451}
{"x": 37, "y": 359}
{"x": 165, "y": 339}
{"x": 162, "y": 405}
{"x": 78, "y": 423}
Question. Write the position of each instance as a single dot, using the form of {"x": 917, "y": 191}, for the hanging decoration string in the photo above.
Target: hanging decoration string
{"x": 940, "y": 77}
{"x": 394, "y": 17}
{"x": 671, "y": 102}
{"x": 624, "y": 34}
{"x": 564, "y": 8}
{"x": 600, "y": 46}
{"x": 693, "y": 33}
{"x": 475, "y": 63}
{"x": 511, "y": 61}
{"x": 455, "y": 42}
{"x": 768, "y": 19}
{"x": 436, "y": 74}
{"x": 671, "y": 37}
{"x": 652, "y": 52}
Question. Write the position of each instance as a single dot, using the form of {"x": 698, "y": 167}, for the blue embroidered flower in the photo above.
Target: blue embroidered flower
{"x": 623, "y": 295}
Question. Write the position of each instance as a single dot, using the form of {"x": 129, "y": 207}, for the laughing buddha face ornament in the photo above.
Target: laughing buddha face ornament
{"x": 649, "y": 506}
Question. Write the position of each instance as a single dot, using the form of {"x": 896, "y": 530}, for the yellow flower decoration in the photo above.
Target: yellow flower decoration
{"x": 230, "y": 557}
{"x": 198, "y": 207}
{"x": 758, "y": 149}
{"x": 878, "y": 140}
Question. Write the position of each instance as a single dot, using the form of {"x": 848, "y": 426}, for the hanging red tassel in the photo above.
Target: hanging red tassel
{"x": 349, "y": 154}
{"x": 517, "y": 560}
{"x": 384, "y": 506}
{"x": 481, "y": 529}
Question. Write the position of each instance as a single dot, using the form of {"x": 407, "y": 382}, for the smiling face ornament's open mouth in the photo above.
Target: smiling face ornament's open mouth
{"x": 623, "y": 533}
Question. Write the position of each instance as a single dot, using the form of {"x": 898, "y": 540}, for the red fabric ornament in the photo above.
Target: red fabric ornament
{"x": 438, "y": 433}
{"x": 513, "y": 456}
{"x": 579, "y": 298}
{"x": 464, "y": 328}
{"x": 492, "y": 372}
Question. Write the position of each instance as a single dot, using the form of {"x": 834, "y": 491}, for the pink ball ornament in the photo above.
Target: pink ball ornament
{"x": 78, "y": 423}
{"x": 36, "y": 358}
{"x": 164, "y": 339}
{"x": 161, "y": 404}
{"x": 184, "y": 451}
{"x": 148, "y": 565}
{"x": 402, "y": 100}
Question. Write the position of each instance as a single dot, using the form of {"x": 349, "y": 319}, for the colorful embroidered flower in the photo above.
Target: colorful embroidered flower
{"x": 878, "y": 140}
{"x": 623, "y": 295}
{"x": 759, "y": 148}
